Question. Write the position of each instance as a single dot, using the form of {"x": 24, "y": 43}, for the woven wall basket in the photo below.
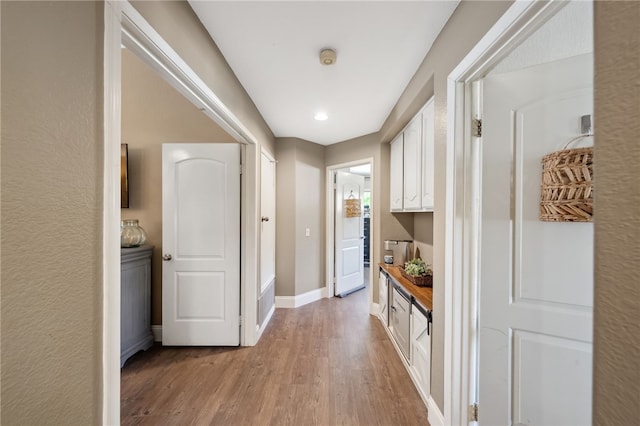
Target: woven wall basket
{"x": 567, "y": 193}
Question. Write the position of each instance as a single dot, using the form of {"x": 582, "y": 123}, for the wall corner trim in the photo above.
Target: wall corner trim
{"x": 157, "y": 333}
{"x": 434, "y": 415}
{"x": 289, "y": 302}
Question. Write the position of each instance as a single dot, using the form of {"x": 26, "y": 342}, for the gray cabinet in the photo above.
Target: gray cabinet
{"x": 135, "y": 301}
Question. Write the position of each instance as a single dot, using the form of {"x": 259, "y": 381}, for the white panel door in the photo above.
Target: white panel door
{"x": 268, "y": 221}
{"x": 536, "y": 278}
{"x": 349, "y": 236}
{"x": 428, "y": 145}
{"x": 396, "y": 174}
{"x": 201, "y": 244}
{"x": 412, "y": 180}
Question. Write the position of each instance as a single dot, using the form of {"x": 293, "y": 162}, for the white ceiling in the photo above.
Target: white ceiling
{"x": 273, "y": 49}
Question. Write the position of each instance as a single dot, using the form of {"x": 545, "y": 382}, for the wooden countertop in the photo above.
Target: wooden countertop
{"x": 424, "y": 295}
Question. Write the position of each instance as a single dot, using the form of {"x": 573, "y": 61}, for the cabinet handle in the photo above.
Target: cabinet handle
{"x": 167, "y": 256}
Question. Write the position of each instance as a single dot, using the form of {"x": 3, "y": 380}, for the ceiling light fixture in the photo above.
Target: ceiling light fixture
{"x": 321, "y": 116}
{"x": 328, "y": 56}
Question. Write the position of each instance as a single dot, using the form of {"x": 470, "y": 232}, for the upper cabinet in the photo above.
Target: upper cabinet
{"x": 396, "y": 172}
{"x": 411, "y": 167}
{"x": 428, "y": 142}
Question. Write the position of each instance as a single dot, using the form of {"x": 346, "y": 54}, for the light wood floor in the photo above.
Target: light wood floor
{"x": 326, "y": 363}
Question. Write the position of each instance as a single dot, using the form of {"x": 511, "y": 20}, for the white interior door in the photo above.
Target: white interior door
{"x": 268, "y": 224}
{"x": 349, "y": 235}
{"x": 536, "y": 278}
{"x": 201, "y": 244}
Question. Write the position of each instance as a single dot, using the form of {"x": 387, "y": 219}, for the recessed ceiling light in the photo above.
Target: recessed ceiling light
{"x": 321, "y": 116}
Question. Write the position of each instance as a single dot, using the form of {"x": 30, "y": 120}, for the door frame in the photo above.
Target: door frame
{"x": 461, "y": 234}
{"x": 330, "y": 229}
{"x": 124, "y": 25}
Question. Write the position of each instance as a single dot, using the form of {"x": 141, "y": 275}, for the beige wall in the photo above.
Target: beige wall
{"x": 300, "y": 194}
{"x": 285, "y": 217}
{"x": 616, "y": 356}
{"x": 51, "y": 213}
{"x": 154, "y": 113}
{"x": 469, "y": 22}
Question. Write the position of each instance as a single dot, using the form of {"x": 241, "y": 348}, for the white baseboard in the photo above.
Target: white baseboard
{"x": 301, "y": 299}
{"x": 265, "y": 323}
{"x": 434, "y": 415}
{"x": 374, "y": 309}
{"x": 157, "y": 333}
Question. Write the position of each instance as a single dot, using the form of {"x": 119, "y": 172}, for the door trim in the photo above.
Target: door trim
{"x": 124, "y": 25}
{"x": 330, "y": 229}
{"x": 461, "y": 238}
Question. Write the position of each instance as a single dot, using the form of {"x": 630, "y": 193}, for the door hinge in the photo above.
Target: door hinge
{"x": 241, "y": 167}
{"x": 473, "y": 413}
{"x": 476, "y": 127}
{"x": 240, "y": 321}
{"x": 334, "y": 280}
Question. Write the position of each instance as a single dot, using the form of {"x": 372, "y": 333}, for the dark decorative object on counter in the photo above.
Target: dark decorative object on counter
{"x": 420, "y": 280}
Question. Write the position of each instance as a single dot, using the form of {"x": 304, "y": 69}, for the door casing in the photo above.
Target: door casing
{"x": 461, "y": 236}
{"x": 330, "y": 229}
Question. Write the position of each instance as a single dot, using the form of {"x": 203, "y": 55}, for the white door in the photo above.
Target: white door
{"x": 268, "y": 221}
{"x": 349, "y": 235}
{"x": 201, "y": 244}
{"x": 536, "y": 278}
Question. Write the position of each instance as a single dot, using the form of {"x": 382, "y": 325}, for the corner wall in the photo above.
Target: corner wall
{"x": 300, "y": 205}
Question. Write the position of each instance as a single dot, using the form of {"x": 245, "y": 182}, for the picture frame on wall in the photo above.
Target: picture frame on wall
{"x": 124, "y": 175}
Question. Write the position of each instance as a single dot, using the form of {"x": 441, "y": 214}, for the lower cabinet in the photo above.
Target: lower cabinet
{"x": 383, "y": 297}
{"x": 408, "y": 324}
{"x": 135, "y": 301}
{"x": 421, "y": 351}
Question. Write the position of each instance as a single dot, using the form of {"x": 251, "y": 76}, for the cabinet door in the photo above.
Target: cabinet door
{"x": 421, "y": 351}
{"x": 401, "y": 322}
{"x": 428, "y": 142}
{"x": 383, "y": 295}
{"x": 413, "y": 164}
{"x": 396, "y": 173}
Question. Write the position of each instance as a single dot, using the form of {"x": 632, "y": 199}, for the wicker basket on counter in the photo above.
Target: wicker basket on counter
{"x": 420, "y": 281}
{"x": 566, "y": 194}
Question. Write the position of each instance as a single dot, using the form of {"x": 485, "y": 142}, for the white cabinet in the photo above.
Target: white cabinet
{"x": 396, "y": 173}
{"x": 428, "y": 142}
{"x": 412, "y": 164}
{"x": 383, "y": 298}
{"x": 400, "y": 320}
{"x": 421, "y": 351}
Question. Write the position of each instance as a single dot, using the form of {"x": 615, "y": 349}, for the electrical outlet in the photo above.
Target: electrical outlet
{"x": 307, "y": 232}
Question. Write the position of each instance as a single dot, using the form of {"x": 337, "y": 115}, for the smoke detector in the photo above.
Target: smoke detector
{"x": 328, "y": 56}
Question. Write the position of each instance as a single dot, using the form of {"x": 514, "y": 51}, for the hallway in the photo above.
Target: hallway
{"x": 326, "y": 363}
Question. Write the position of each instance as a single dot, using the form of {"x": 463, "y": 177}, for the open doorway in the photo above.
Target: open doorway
{"x": 349, "y": 228}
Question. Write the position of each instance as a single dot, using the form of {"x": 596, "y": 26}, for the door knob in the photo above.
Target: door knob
{"x": 265, "y": 219}
{"x": 167, "y": 256}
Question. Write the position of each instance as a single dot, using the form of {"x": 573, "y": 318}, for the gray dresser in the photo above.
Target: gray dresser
{"x": 135, "y": 301}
